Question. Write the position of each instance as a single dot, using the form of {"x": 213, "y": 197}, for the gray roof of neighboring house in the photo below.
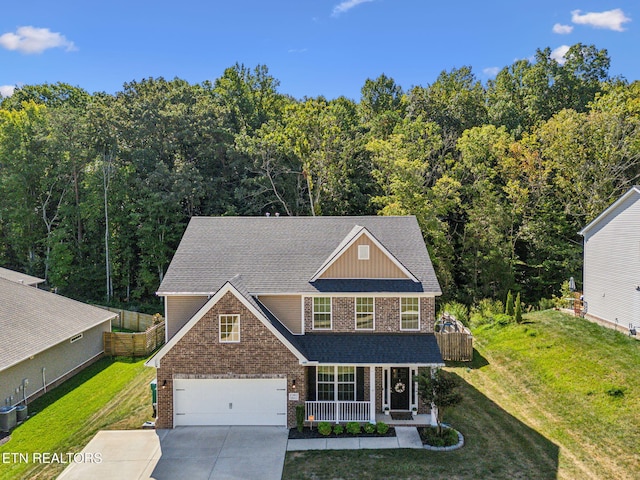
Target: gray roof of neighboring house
{"x": 19, "y": 277}
{"x": 281, "y": 254}
{"x": 33, "y": 320}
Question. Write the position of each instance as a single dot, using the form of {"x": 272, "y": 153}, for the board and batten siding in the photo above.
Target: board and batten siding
{"x": 378, "y": 266}
{"x": 612, "y": 264}
{"x": 287, "y": 308}
{"x": 179, "y": 310}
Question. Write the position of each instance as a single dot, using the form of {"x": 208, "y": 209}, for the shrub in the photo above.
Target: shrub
{"x": 485, "y": 311}
{"x": 508, "y": 308}
{"x": 324, "y": 428}
{"x": 446, "y": 438}
{"x": 382, "y": 428}
{"x": 518, "y": 309}
{"x": 338, "y": 429}
{"x": 353, "y": 428}
{"x": 300, "y": 417}
{"x": 503, "y": 319}
{"x": 369, "y": 428}
{"x": 546, "y": 304}
{"x": 458, "y": 310}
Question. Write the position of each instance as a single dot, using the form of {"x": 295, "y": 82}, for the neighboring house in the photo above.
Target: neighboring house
{"x": 611, "y": 272}
{"x": 18, "y": 277}
{"x": 44, "y": 338}
{"x": 266, "y": 313}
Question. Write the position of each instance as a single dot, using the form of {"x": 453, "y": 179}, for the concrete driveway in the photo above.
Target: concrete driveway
{"x": 207, "y": 453}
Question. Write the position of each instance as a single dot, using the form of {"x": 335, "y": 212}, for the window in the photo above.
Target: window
{"x": 322, "y": 313}
{"x": 364, "y": 313}
{"x": 229, "y": 328}
{"x": 76, "y": 338}
{"x": 409, "y": 314}
{"x": 363, "y": 252}
{"x": 340, "y": 380}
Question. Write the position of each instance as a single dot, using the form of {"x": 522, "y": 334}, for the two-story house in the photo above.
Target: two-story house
{"x": 267, "y": 313}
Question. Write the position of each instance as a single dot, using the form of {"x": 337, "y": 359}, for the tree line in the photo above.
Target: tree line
{"x": 97, "y": 189}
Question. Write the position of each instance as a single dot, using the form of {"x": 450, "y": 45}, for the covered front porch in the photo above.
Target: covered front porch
{"x": 386, "y": 393}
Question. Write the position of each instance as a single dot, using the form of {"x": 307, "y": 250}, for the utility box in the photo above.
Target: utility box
{"x": 154, "y": 395}
{"x": 22, "y": 412}
{"x": 8, "y": 418}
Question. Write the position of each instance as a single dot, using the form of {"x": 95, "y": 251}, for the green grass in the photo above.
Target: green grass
{"x": 111, "y": 394}
{"x": 541, "y": 401}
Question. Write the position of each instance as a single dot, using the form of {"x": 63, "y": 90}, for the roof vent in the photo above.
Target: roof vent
{"x": 267, "y": 214}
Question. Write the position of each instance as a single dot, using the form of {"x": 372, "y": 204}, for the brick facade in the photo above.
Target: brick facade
{"x": 387, "y": 315}
{"x": 199, "y": 354}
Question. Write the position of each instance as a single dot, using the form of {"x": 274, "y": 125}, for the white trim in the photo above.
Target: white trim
{"x": 355, "y": 310}
{"x": 313, "y": 314}
{"x": 612, "y": 207}
{"x": 227, "y": 287}
{"x": 343, "y": 248}
{"x": 233, "y": 315}
{"x": 320, "y": 294}
{"x": 419, "y": 319}
{"x": 336, "y": 382}
{"x": 372, "y": 394}
{"x": 302, "y": 314}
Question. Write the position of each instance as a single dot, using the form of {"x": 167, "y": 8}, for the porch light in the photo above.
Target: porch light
{"x": 293, "y": 384}
{"x": 164, "y": 384}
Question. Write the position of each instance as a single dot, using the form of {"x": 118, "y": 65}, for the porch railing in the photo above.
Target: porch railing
{"x": 338, "y": 411}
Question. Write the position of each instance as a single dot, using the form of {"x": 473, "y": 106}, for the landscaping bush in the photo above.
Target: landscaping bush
{"x": 485, "y": 311}
{"x": 458, "y": 310}
{"x": 508, "y": 308}
{"x": 430, "y": 436}
{"x": 353, "y": 428}
{"x": 517, "y": 313}
{"x": 300, "y": 417}
{"x": 546, "y": 304}
{"x": 503, "y": 319}
{"x": 324, "y": 428}
{"x": 369, "y": 428}
{"x": 338, "y": 429}
{"x": 382, "y": 428}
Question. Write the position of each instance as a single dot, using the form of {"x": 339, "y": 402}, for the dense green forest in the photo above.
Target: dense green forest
{"x": 96, "y": 189}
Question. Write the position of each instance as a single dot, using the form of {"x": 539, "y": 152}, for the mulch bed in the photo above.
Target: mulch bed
{"x": 306, "y": 433}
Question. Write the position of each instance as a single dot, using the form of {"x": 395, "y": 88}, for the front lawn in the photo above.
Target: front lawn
{"x": 554, "y": 397}
{"x": 112, "y": 394}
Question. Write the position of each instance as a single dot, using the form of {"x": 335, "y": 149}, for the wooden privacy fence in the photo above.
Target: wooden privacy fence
{"x": 140, "y": 344}
{"x": 136, "y": 321}
{"x": 454, "y": 339}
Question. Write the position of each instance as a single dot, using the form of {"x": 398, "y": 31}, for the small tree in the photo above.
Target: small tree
{"x": 509, "y": 305}
{"x": 439, "y": 391}
{"x": 518, "y": 309}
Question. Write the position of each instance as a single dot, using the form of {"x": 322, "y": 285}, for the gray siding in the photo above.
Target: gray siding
{"x": 179, "y": 310}
{"x": 58, "y": 361}
{"x": 612, "y": 265}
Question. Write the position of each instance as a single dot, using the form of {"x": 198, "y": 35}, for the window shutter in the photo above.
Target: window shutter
{"x": 360, "y": 384}
{"x": 311, "y": 384}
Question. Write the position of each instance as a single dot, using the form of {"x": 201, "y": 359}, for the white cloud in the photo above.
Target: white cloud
{"x": 610, "y": 20}
{"x": 559, "y": 53}
{"x": 562, "y": 29}
{"x": 491, "y": 71}
{"x": 6, "y": 90}
{"x": 346, "y": 6}
{"x": 34, "y": 40}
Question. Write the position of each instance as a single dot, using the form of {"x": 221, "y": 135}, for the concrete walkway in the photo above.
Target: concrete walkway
{"x": 406, "y": 437}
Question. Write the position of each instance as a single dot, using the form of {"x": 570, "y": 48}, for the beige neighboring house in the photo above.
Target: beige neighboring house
{"x": 612, "y": 262}
{"x": 264, "y": 314}
{"x": 45, "y": 338}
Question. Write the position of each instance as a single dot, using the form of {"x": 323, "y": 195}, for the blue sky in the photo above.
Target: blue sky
{"x": 314, "y": 47}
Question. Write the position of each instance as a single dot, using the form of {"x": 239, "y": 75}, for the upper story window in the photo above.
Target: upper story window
{"x": 364, "y": 313}
{"x": 322, "y": 313}
{"x": 229, "y": 328}
{"x": 363, "y": 252}
{"x": 410, "y": 313}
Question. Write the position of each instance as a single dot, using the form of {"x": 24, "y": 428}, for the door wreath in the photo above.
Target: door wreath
{"x": 399, "y": 387}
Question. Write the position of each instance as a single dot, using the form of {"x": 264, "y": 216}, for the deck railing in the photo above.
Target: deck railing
{"x": 338, "y": 411}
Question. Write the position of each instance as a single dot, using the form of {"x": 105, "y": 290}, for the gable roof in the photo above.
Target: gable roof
{"x": 20, "y": 277}
{"x": 635, "y": 190}
{"x": 237, "y": 289}
{"x": 348, "y": 241}
{"x": 33, "y": 320}
{"x": 276, "y": 255}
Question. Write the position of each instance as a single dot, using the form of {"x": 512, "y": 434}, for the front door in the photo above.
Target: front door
{"x": 400, "y": 388}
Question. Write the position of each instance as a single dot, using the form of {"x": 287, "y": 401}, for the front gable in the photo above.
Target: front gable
{"x": 361, "y": 256}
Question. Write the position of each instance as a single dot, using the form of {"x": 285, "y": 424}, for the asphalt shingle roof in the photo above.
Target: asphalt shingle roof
{"x": 19, "y": 277}
{"x": 33, "y": 320}
{"x": 281, "y": 254}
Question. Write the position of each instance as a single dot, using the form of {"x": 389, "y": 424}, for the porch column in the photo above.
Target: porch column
{"x": 434, "y": 410}
{"x": 372, "y": 394}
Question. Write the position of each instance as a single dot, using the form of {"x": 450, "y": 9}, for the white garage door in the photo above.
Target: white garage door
{"x": 256, "y": 401}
